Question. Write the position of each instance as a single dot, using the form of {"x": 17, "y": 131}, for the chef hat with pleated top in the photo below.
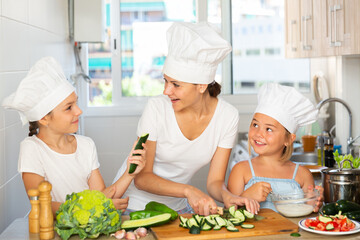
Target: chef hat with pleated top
{"x": 286, "y": 105}
{"x": 43, "y": 88}
{"x": 194, "y": 52}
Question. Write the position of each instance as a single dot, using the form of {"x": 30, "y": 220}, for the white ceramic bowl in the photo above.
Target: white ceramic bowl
{"x": 295, "y": 204}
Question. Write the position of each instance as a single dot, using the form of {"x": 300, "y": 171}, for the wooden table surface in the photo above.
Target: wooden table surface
{"x": 19, "y": 230}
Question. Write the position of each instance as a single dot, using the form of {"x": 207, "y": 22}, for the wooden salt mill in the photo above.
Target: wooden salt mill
{"x": 46, "y": 215}
{"x": 34, "y": 215}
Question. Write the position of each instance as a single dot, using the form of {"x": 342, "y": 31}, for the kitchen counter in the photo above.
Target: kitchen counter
{"x": 19, "y": 230}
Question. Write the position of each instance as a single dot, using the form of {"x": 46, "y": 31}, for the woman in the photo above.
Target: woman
{"x": 188, "y": 127}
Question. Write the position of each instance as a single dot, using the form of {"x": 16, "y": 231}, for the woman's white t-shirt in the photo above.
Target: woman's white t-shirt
{"x": 67, "y": 173}
{"x": 177, "y": 158}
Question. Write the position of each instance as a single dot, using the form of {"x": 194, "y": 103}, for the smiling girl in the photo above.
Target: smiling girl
{"x": 280, "y": 111}
{"x": 52, "y": 152}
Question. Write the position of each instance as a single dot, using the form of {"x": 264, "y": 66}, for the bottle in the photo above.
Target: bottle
{"x": 34, "y": 215}
{"x": 329, "y": 152}
{"x": 46, "y": 215}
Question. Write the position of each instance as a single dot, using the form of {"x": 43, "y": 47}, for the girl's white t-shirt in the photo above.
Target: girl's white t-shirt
{"x": 177, "y": 158}
{"x": 67, "y": 173}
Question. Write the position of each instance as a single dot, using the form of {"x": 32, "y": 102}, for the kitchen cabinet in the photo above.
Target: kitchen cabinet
{"x": 324, "y": 28}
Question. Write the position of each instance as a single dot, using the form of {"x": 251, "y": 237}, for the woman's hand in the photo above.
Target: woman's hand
{"x": 138, "y": 159}
{"x": 259, "y": 191}
{"x": 200, "y": 202}
{"x": 251, "y": 205}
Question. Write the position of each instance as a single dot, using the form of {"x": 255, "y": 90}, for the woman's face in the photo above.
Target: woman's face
{"x": 64, "y": 118}
{"x": 266, "y": 135}
{"x": 181, "y": 94}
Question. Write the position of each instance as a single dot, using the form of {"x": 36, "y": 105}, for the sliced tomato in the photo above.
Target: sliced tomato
{"x": 311, "y": 222}
{"x": 320, "y": 227}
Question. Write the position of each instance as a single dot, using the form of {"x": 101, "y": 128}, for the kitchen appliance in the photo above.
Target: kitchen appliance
{"x": 341, "y": 183}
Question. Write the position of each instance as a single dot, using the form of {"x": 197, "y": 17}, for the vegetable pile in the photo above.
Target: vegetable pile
{"x": 348, "y": 208}
{"x": 337, "y": 223}
{"x": 88, "y": 213}
{"x": 233, "y": 218}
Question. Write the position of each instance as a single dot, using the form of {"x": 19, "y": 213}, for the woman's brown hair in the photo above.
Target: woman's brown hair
{"x": 214, "y": 89}
{"x": 33, "y": 128}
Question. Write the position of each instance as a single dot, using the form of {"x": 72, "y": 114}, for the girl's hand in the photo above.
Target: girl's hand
{"x": 259, "y": 191}
{"x": 320, "y": 199}
{"x": 121, "y": 203}
{"x": 200, "y": 202}
{"x": 138, "y": 159}
{"x": 251, "y": 205}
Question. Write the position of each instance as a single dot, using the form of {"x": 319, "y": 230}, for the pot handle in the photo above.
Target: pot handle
{"x": 342, "y": 163}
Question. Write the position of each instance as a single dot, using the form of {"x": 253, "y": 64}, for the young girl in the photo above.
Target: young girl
{"x": 280, "y": 111}
{"x": 52, "y": 152}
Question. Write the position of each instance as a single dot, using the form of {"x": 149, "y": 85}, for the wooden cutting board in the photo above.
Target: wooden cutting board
{"x": 273, "y": 223}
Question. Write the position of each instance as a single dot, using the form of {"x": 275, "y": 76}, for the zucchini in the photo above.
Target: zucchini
{"x": 355, "y": 215}
{"x": 347, "y": 206}
{"x": 138, "y": 145}
{"x": 329, "y": 209}
{"x": 232, "y": 229}
{"x": 195, "y": 230}
{"x": 160, "y": 207}
{"x": 146, "y": 222}
{"x": 247, "y": 226}
{"x": 325, "y": 219}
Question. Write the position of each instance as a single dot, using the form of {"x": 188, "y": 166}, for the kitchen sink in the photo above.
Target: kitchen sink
{"x": 305, "y": 158}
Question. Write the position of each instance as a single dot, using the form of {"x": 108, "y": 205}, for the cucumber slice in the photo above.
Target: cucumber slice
{"x": 235, "y": 221}
{"x": 146, "y": 222}
{"x": 194, "y": 230}
{"x": 229, "y": 223}
{"x": 198, "y": 219}
{"x": 220, "y": 221}
{"x": 232, "y": 210}
{"x": 210, "y": 221}
{"x": 247, "y": 226}
{"x": 192, "y": 222}
{"x": 183, "y": 220}
{"x": 206, "y": 227}
{"x": 325, "y": 219}
{"x": 232, "y": 229}
{"x": 138, "y": 145}
{"x": 248, "y": 214}
{"x": 216, "y": 227}
{"x": 329, "y": 227}
{"x": 239, "y": 215}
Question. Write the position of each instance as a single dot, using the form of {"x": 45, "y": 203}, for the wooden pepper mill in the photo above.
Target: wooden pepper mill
{"x": 34, "y": 215}
{"x": 46, "y": 215}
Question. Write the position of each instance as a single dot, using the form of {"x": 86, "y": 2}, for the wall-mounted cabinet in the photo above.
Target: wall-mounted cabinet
{"x": 319, "y": 28}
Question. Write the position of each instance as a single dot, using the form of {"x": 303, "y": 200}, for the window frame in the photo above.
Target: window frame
{"x": 133, "y": 106}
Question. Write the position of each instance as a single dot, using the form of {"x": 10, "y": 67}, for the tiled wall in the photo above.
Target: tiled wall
{"x": 29, "y": 30}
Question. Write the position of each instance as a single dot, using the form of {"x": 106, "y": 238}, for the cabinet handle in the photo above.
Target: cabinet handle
{"x": 292, "y": 22}
{"x": 333, "y": 10}
{"x": 304, "y": 33}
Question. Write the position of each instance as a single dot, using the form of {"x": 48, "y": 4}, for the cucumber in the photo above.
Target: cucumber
{"x": 192, "y": 222}
{"x": 138, "y": 145}
{"x": 232, "y": 229}
{"x": 239, "y": 215}
{"x": 220, "y": 221}
{"x": 210, "y": 221}
{"x": 146, "y": 222}
{"x": 206, "y": 227}
{"x": 329, "y": 209}
{"x": 325, "y": 219}
{"x": 355, "y": 215}
{"x": 247, "y": 226}
{"x": 232, "y": 210}
{"x": 329, "y": 227}
{"x": 183, "y": 220}
{"x": 160, "y": 207}
{"x": 248, "y": 214}
{"x": 195, "y": 230}
{"x": 217, "y": 227}
{"x": 347, "y": 206}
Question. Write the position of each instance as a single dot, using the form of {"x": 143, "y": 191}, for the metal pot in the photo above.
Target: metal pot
{"x": 341, "y": 184}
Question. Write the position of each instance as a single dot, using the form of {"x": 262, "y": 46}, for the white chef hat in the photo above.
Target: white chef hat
{"x": 286, "y": 105}
{"x": 44, "y": 87}
{"x": 194, "y": 52}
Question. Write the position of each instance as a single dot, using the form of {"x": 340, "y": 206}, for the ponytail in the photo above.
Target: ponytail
{"x": 33, "y": 126}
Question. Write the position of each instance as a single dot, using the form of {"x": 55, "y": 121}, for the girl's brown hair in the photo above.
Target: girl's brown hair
{"x": 33, "y": 128}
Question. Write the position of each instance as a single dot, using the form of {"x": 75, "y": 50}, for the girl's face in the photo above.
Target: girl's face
{"x": 64, "y": 118}
{"x": 182, "y": 94}
{"x": 267, "y": 136}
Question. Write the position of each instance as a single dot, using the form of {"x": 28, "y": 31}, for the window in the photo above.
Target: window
{"x": 128, "y": 66}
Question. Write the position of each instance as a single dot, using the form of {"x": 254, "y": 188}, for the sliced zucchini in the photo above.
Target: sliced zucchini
{"x": 248, "y": 214}
{"x": 235, "y": 221}
{"x": 329, "y": 227}
{"x": 216, "y": 227}
{"x": 183, "y": 220}
{"x": 232, "y": 210}
{"x": 220, "y": 221}
{"x": 198, "y": 219}
{"x": 239, "y": 215}
{"x": 194, "y": 230}
{"x": 192, "y": 222}
{"x": 325, "y": 219}
{"x": 229, "y": 223}
{"x": 247, "y": 226}
{"x": 206, "y": 227}
{"x": 146, "y": 222}
{"x": 210, "y": 221}
{"x": 232, "y": 229}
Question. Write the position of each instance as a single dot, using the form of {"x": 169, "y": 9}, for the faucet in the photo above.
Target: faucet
{"x": 350, "y": 140}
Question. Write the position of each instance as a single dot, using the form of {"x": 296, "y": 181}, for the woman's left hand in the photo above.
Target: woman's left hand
{"x": 251, "y": 205}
